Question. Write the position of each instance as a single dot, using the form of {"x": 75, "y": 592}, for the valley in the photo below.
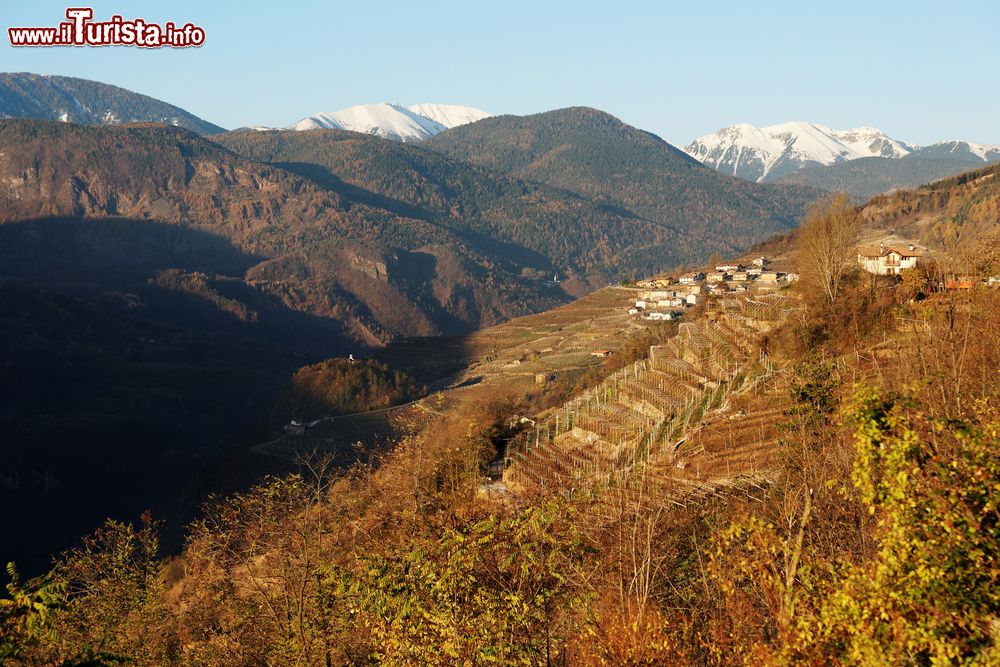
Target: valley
{"x": 425, "y": 385}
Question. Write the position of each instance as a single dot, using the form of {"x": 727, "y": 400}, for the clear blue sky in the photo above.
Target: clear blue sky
{"x": 921, "y": 71}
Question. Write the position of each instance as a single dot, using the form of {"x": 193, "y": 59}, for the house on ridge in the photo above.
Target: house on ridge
{"x": 889, "y": 260}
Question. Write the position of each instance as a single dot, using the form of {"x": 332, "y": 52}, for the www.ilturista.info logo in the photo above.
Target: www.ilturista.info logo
{"x": 80, "y": 30}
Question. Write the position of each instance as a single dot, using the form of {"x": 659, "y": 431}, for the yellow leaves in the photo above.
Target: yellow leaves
{"x": 931, "y": 585}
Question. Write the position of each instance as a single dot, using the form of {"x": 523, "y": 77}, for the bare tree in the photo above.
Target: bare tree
{"x": 827, "y": 240}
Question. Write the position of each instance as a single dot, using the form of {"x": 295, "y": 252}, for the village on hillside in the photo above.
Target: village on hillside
{"x": 664, "y": 298}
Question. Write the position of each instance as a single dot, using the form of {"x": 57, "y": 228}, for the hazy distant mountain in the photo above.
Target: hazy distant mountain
{"x": 71, "y": 100}
{"x": 767, "y": 153}
{"x": 392, "y": 121}
{"x": 960, "y": 150}
{"x": 867, "y": 177}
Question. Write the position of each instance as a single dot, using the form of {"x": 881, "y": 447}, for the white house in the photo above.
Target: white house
{"x": 662, "y": 316}
{"x": 691, "y": 278}
{"x": 889, "y": 260}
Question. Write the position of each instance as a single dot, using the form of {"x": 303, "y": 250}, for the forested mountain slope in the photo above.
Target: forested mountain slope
{"x": 73, "y": 100}
{"x": 592, "y": 153}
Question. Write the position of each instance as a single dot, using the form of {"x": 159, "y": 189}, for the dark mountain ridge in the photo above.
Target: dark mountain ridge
{"x": 318, "y": 250}
{"x": 553, "y": 230}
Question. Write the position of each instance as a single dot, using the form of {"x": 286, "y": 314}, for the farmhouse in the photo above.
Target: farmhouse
{"x": 661, "y": 316}
{"x": 889, "y": 260}
{"x": 768, "y": 277}
{"x": 717, "y": 276}
{"x": 653, "y": 283}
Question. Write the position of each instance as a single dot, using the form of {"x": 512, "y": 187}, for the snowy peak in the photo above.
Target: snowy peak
{"x": 393, "y": 121}
{"x": 871, "y": 142}
{"x": 390, "y": 121}
{"x": 449, "y": 115}
{"x": 765, "y": 153}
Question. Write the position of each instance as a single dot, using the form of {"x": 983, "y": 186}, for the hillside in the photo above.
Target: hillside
{"x": 672, "y": 503}
{"x": 311, "y": 248}
{"x": 157, "y": 293}
{"x": 960, "y": 215}
{"x": 72, "y": 100}
{"x": 594, "y": 154}
{"x": 115, "y": 403}
{"x": 593, "y": 241}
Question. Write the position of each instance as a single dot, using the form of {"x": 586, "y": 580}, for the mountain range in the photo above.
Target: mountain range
{"x": 863, "y": 161}
{"x": 147, "y": 267}
{"x": 149, "y": 272}
{"x": 582, "y": 233}
{"x": 73, "y": 100}
{"x": 594, "y": 155}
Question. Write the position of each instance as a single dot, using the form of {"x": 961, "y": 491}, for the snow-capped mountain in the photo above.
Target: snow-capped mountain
{"x": 449, "y": 115}
{"x": 766, "y": 153}
{"x": 393, "y": 121}
{"x": 390, "y": 121}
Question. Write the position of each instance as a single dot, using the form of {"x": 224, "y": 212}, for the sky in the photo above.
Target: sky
{"x": 920, "y": 71}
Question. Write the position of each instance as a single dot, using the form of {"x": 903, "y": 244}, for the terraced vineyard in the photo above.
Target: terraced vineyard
{"x": 680, "y": 421}
{"x": 697, "y": 418}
